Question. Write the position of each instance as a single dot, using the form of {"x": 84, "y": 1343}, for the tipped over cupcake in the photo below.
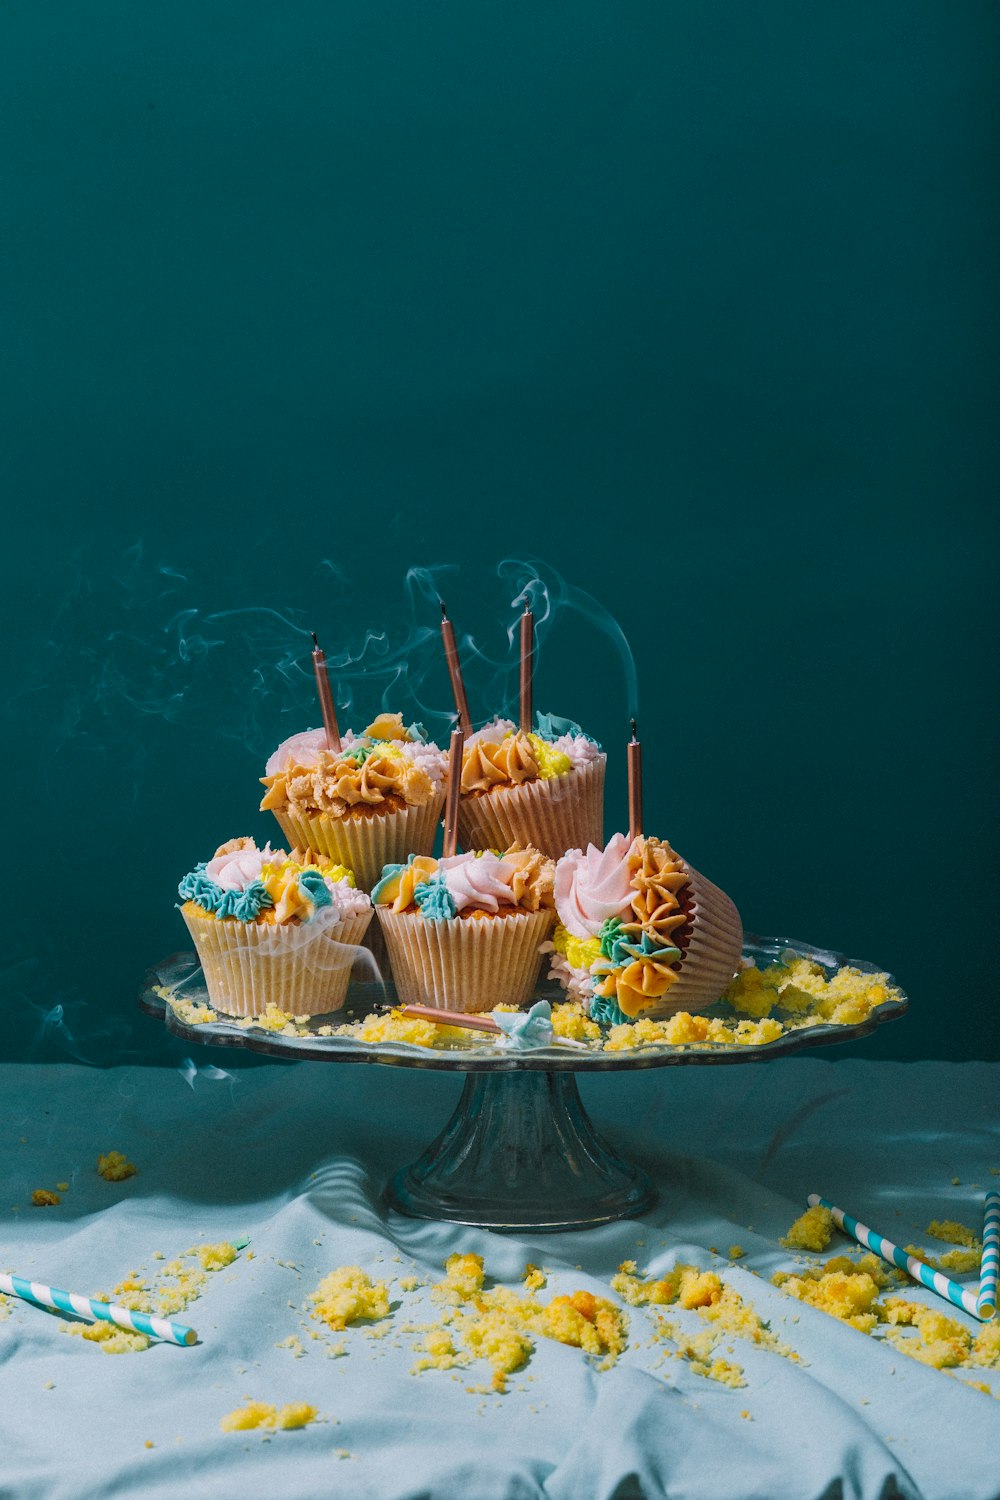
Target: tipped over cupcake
{"x": 466, "y": 932}
{"x": 544, "y": 788}
{"x": 373, "y": 802}
{"x": 639, "y": 932}
{"x": 274, "y": 928}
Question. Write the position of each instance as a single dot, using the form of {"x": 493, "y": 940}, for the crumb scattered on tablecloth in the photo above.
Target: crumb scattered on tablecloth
{"x": 114, "y": 1167}
{"x": 62, "y": 1187}
{"x": 348, "y": 1294}
{"x": 736, "y": 1252}
{"x": 294, "y": 1344}
{"x": 812, "y": 1230}
{"x": 953, "y": 1233}
{"x": 42, "y": 1198}
{"x": 168, "y": 1292}
{"x": 261, "y": 1414}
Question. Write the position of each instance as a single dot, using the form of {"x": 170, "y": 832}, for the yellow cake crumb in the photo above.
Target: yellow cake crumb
{"x": 463, "y": 1278}
{"x": 216, "y": 1257}
{"x": 192, "y": 1012}
{"x": 570, "y": 1021}
{"x": 62, "y": 1187}
{"x": 112, "y": 1340}
{"x": 439, "y": 1352}
{"x": 42, "y": 1198}
{"x": 812, "y": 1230}
{"x": 149, "y": 1443}
{"x": 534, "y": 1279}
{"x": 261, "y": 1414}
{"x": 703, "y": 1291}
{"x": 736, "y": 1252}
{"x": 114, "y": 1167}
{"x": 953, "y": 1232}
{"x": 408, "y": 1283}
{"x": 348, "y": 1294}
{"x": 294, "y": 1344}
{"x": 960, "y": 1261}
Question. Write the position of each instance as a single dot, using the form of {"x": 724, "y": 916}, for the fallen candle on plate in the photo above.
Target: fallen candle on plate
{"x": 520, "y": 1030}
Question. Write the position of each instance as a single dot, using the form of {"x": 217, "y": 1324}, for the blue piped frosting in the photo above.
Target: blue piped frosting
{"x": 552, "y": 727}
{"x": 608, "y": 1012}
{"x": 435, "y": 900}
{"x": 522, "y": 1030}
{"x": 245, "y": 906}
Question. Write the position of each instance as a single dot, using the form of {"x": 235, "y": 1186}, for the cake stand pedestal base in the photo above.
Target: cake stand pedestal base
{"x": 520, "y": 1153}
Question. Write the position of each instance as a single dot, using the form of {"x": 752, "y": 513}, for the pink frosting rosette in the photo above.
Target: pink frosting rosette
{"x": 482, "y": 880}
{"x": 593, "y": 887}
{"x": 235, "y": 869}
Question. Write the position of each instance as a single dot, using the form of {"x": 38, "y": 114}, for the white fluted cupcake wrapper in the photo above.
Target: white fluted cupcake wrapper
{"x": 559, "y": 813}
{"x": 468, "y": 965}
{"x": 365, "y": 844}
{"x": 712, "y": 955}
{"x": 303, "y": 968}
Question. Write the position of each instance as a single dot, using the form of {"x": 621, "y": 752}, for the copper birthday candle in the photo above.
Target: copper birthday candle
{"x": 325, "y": 698}
{"x": 455, "y": 672}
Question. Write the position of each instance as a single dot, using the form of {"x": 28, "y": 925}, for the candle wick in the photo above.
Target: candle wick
{"x": 315, "y": 640}
{"x": 632, "y": 722}
{"x": 444, "y": 610}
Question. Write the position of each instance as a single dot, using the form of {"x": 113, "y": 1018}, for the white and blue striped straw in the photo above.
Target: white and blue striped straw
{"x": 989, "y": 1268}
{"x": 97, "y": 1312}
{"x": 935, "y": 1281}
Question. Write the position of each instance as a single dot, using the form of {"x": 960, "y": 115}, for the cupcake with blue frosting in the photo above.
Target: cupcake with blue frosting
{"x": 274, "y": 928}
{"x": 544, "y": 788}
{"x": 466, "y": 932}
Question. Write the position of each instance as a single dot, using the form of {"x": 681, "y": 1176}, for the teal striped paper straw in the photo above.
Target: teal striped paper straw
{"x": 989, "y": 1268}
{"x": 935, "y": 1281}
{"x": 97, "y": 1312}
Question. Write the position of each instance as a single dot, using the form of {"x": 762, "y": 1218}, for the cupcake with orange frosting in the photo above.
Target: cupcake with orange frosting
{"x": 544, "y": 788}
{"x": 466, "y": 932}
{"x": 274, "y": 928}
{"x": 373, "y": 802}
{"x": 641, "y": 933}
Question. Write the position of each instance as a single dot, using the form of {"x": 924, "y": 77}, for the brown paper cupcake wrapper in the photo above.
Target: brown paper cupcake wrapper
{"x": 465, "y": 965}
{"x": 712, "y": 955}
{"x": 303, "y": 969}
{"x": 365, "y": 844}
{"x": 560, "y": 813}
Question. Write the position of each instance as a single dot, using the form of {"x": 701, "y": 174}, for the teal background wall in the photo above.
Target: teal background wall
{"x": 692, "y": 302}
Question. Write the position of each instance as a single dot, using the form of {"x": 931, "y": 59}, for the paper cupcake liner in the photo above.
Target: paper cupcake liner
{"x": 560, "y": 813}
{"x": 303, "y": 969}
{"x": 712, "y": 955}
{"x": 465, "y": 965}
{"x": 365, "y": 844}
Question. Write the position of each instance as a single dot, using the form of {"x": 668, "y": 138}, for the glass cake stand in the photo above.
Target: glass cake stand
{"x": 519, "y": 1152}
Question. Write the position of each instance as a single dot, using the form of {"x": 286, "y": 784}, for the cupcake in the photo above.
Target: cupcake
{"x": 544, "y": 789}
{"x": 466, "y": 932}
{"x": 640, "y": 933}
{"x": 372, "y": 803}
{"x": 275, "y": 928}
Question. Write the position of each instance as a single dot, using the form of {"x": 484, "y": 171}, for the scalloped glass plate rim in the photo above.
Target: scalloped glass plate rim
{"x": 479, "y": 1055}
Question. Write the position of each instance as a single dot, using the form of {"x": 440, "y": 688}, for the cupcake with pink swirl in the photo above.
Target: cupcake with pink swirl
{"x": 274, "y": 928}
{"x": 639, "y": 932}
{"x": 466, "y": 932}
